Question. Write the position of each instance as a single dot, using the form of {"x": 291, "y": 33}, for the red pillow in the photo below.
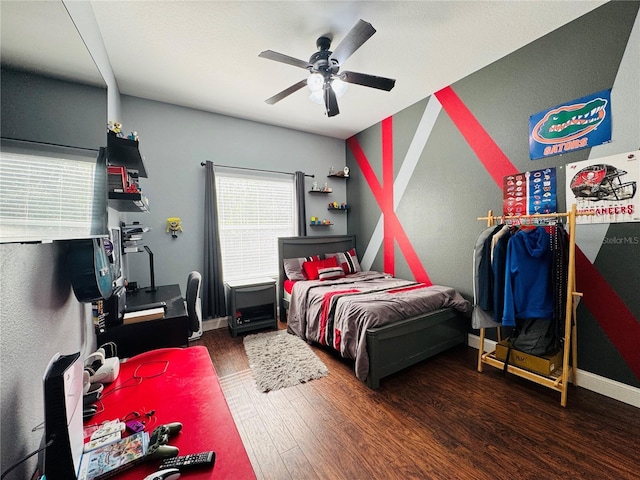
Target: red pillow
{"x": 311, "y": 268}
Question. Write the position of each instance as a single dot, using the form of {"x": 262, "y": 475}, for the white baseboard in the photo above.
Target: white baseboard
{"x": 590, "y": 381}
{"x": 213, "y": 323}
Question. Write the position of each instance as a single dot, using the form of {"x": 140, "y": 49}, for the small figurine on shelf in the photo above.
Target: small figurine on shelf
{"x": 132, "y": 188}
{"x": 314, "y": 187}
{"x": 331, "y": 171}
{"x": 326, "y": 187}
{"x": 133, "y": 136}
{"x": 115, "y": 127}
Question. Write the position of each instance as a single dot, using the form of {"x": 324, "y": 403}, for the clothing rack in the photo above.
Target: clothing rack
{"x": 559, "y": 379}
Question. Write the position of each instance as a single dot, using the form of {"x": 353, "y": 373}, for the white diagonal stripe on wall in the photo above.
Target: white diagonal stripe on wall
{"x": 411, "y": 159}
{"x": 590, "y": 237}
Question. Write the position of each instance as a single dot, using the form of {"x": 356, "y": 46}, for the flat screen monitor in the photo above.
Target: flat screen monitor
{"x": 52, "y": 192}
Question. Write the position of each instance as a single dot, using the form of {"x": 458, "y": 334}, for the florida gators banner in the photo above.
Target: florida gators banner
{"x": 581, "y": 123}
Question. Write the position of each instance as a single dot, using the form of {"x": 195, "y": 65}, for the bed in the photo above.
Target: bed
{"x": 380, "y": 347}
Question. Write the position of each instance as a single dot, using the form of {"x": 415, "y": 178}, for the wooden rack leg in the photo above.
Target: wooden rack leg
{"x": 481, "y": 350}
{"x": 569, "y": 312}
{"x": 574, "y": 339}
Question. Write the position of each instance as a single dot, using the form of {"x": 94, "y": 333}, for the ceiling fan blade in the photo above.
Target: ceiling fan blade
{"x": 282, "y": 58}
{"x": 353, "y": 41}
{"x": 381, "y": 83}
{"x": 330, "y": 101}
{"x": 286, "y": 92}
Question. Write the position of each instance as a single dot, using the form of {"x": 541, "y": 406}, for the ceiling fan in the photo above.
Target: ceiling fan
{"x": 326, "y": 81}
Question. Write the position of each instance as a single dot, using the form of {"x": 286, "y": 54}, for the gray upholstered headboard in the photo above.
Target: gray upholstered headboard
{"x": 296, "y": 247}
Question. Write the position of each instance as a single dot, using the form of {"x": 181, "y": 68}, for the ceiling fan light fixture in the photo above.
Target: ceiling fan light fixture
{"x": 339, "y": 87}
{"x": 317, "y": 97}
{"x": 315, "y": 82}
{"x": 324, "y": 82}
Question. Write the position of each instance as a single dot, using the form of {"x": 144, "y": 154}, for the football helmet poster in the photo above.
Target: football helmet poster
{"x": 607, "y": 187}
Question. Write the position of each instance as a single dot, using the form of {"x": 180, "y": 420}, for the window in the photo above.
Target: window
{"x": 51, "y": 193}
{"x": 253, "y": 211}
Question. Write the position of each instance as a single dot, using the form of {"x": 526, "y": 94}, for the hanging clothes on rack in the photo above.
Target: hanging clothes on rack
{"x": 485, "y": 272}
{"x": 498, "y": 264}
{"x": 528, "y": 291}
{"x": 481, "y": 318}
{"x": 560, "y": 262}
{"x": 559, "y": 254}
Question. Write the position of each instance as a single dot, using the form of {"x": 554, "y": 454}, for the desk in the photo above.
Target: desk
{"x": 180, "y": 385}
{"x": 170, "y": 331}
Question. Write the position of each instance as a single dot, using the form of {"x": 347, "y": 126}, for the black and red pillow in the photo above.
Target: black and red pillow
{"x": 347, "y": 260}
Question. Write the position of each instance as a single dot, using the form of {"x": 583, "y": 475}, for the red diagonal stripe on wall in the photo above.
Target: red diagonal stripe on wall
{"x": 387, "y": 182}
{"x": 613, "y": 316}
{"x": 489, "y": 153}
{"x": 393, "y": 227}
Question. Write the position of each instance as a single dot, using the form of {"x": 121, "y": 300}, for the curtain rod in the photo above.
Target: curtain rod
{"x": 258, "y": 170}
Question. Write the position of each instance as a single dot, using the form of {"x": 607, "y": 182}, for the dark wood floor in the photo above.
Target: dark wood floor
{"x": 440, "y": 419}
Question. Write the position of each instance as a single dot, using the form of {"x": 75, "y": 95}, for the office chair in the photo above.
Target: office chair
{"x": 194, "y": 305}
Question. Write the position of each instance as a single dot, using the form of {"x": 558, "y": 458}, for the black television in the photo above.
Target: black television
{"x": 63, "y": 410}
{"x": 52, "y": 192}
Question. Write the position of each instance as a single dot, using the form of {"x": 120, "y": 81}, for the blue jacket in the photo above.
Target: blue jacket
{"x": 528, "y": 289}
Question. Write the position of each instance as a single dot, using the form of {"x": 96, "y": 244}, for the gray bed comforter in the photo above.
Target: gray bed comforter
{"x": 337, "y": 313}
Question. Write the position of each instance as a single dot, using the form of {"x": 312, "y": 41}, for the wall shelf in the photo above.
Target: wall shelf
{"x": 346, "y": 177}
{"x": 123, "y": 152}
{"x": 126, "y": 153}
{"x": 320, "y": 191}
{"x": 128, "y": 202}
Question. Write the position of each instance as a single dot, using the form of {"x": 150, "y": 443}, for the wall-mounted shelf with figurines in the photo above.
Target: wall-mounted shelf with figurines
{"x": 338, "y": 206}
{"x": 316, "y": 189}
{"x": 316, "y": 222}
{"x": 344, "y": 173}
{"x": 125, "y": 166}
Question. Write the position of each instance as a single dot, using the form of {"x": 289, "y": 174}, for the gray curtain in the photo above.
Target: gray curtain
{"x": 213, "y": 298}
{"x": 300, "y": 206}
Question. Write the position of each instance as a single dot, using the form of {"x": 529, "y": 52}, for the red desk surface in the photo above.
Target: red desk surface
{"x": 181, "y": 385}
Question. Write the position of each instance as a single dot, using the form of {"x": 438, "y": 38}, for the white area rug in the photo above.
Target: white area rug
{"x": 279, "y": 360}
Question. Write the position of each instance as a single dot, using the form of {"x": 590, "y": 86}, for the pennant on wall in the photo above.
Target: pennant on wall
{"x": 581, "y": 123}
{"x": 530, "y": 193}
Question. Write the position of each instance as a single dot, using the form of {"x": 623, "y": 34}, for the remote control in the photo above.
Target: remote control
{"x": 193, "y": 460}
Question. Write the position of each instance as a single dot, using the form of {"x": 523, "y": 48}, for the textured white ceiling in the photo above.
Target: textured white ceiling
{"x": 204, "y": 54}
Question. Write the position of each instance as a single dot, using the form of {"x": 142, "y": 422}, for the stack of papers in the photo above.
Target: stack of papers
{"x": 143, "y": 315}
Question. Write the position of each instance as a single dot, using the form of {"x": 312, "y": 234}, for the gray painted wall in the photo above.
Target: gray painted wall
{"x": 39, "y": 315}
{"x": 449, "y": 188}
{"x": 43, "y": 109}
{"x": 175, "y": 140}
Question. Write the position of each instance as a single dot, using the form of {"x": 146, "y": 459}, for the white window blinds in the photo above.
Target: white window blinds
{"x": 50, "y": 197}
{"x": 253, "y": 211}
